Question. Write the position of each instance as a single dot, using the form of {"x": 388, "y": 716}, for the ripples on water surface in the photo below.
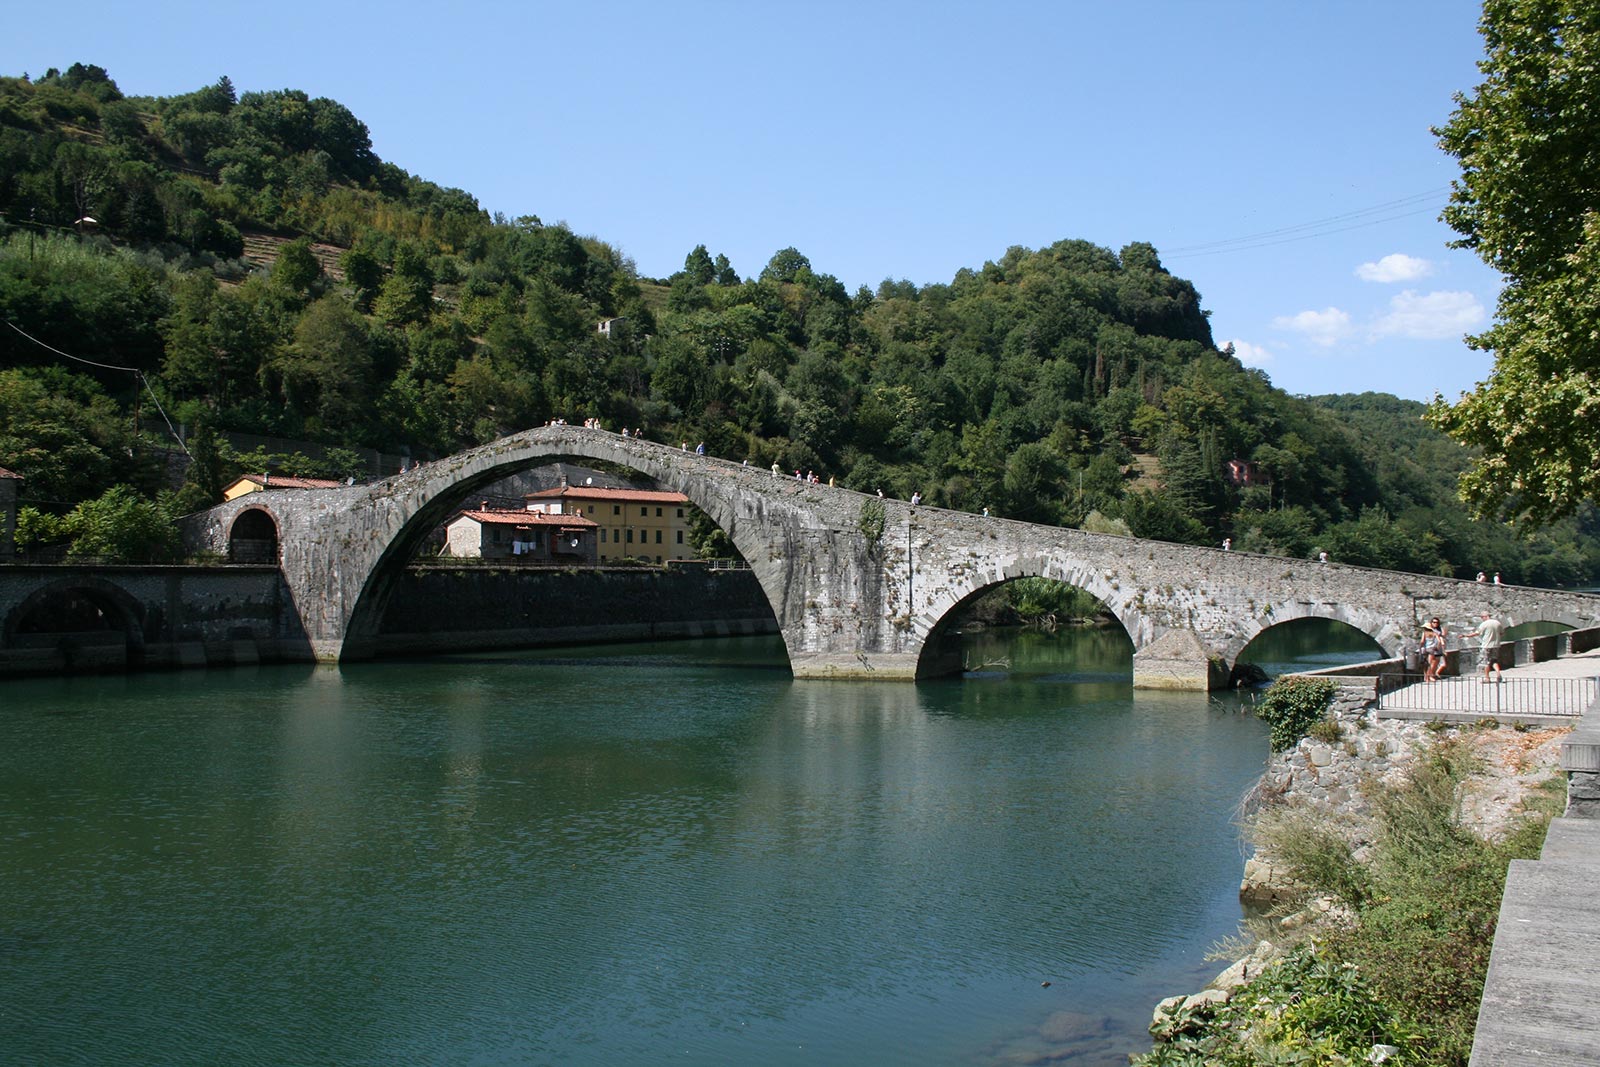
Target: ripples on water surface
{"x": 620, "y": 855}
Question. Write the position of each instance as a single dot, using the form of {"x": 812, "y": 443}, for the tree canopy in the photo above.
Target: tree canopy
{"x": 1528, "y": 202}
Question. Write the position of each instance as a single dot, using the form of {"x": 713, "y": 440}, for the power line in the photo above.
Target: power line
{"x": 1390, "y": 211}
{"x": 144, "y": 381}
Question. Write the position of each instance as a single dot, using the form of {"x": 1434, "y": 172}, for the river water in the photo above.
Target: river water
{"x": 622, "y": 855}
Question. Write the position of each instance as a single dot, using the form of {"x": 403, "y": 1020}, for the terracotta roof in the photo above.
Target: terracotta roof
{"x": 620, "y": 496}
{"x": 9, "y": 474}
{"x": 283, "y": 481}
{"x": 519, "y": 517}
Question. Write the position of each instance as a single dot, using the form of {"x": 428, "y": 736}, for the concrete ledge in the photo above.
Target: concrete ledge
{"x": 1542, "y": 995}
{"x": 1470, "y": 717}
{"x": 876, "y": 667}
{"x": 1572, "y": 839}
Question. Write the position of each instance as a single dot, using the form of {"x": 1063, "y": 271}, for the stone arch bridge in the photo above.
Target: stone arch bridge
{"x": 856, "y": 596}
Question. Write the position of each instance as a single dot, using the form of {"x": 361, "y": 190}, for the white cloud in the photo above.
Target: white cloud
{"x": 1395, "y": 268}
{"x": 1325, "y": 327}
{"x": 1430, "y": 316}
{"x": 1250, "y": 355}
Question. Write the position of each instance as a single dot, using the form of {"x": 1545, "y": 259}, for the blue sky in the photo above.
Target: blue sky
{"x": 1276, "y": 154}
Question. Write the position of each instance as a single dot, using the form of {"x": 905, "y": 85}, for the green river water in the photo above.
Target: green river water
{"x": 632, "y": 854}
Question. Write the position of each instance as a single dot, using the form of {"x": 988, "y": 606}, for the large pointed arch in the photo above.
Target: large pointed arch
{"x": 444, "y": 496}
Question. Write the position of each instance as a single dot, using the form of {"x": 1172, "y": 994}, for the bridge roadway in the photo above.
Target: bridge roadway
{"x": 862, "y": 587}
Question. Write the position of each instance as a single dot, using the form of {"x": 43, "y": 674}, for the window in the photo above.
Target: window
{"x": 680, "y": 537}
{"x": 658, "y": 541}
{"x": 616, "y": 509}
{"x": 658, "y": 513}
{"x": 680, "y": 513}
{"x": 602, "y": 535}
{"x": 630, "y": 535}
{"x": 643, "y": 512}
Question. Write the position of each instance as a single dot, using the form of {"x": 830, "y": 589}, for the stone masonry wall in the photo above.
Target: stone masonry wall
{"x": 491, "y": 607}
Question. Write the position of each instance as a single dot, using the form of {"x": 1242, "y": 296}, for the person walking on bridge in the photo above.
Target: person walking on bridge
{"x": 1489, "y": 630}
{"x": 1432, "y": 650}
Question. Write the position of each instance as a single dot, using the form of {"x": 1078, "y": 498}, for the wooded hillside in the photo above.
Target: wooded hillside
{"x": 397, "y": 315}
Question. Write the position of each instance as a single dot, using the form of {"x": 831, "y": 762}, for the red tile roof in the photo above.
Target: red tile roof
{"x": 518, "y": 517}
{"x": 9, "y": 474}
{"x": 620, "y": 496}
{"x": 283, "y": 481}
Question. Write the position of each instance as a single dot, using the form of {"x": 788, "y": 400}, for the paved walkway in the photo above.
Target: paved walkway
{"x": 1557, "y": 690}
{"x": 1541, "y": 1000}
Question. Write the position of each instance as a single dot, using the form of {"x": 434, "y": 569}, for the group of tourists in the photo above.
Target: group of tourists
{"x": 1435, "y": 646}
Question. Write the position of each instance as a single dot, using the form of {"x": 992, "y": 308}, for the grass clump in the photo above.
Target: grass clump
{"x": 1327, "y": 731}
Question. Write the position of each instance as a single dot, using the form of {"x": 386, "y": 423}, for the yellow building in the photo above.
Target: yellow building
{"x": 634, "y": 523}
{"x": 254, "y": 483}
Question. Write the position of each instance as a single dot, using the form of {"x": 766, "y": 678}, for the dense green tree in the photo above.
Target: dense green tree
{"x": 1528, "y": 202}
{"x": 406, "y": 298}
{"x": 1157, "y": 516}
{"x": 325, "y": 376}
{"x": 364, "y": 274}
{"x": 786, "y": 265}
{"x": 698, "y": 268}
{"x": 61, "y": 432}
{"x": 120, "y": 526}
{"x": 296, "y": 269}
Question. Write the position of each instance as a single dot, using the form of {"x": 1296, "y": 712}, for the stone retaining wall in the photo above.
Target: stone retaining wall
{"x": 440, "y": 609}
{"x": 159, "y": 618}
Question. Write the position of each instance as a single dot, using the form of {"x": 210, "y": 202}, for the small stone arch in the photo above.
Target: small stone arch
{"x": 1385, "y": 632}
{"x": 122, "y": 612}
{"x": 1242, "y": 655}
{"x": 253, "y": 537}
{"x": 938, "y": 655}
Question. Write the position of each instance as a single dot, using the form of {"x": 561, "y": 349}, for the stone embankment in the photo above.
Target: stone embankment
{"x": 1335, "y": 779}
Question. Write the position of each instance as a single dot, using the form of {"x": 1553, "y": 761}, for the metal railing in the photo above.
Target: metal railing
{"x": 1507, "y": 699}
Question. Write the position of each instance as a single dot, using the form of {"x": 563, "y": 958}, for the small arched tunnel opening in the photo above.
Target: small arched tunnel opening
{"x": 253, "y": 537}
{"x": 1305, "y": 644}
{"x": 563, "y": 551}
{"x": 1030, "y": 626}
{"x": 89, "y": 627}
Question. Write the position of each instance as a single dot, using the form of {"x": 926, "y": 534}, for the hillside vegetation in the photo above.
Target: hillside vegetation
{"x": 396, "y": 314}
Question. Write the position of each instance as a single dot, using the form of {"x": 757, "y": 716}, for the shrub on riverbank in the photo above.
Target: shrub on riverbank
{"x": 1292, "y": 706}
{"x": 1411, "y": 921}
{"x": 1309, "y": 1008}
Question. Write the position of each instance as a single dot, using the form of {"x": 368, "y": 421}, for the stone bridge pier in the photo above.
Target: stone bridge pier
{"x": 861, "y": 587}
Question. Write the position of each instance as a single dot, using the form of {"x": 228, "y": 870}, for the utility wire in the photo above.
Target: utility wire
{"x": 1390, "y": 211}
{"x": 143, "y": 380}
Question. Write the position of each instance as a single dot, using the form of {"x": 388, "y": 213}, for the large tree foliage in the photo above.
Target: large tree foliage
{"x": 1528, "y": 202}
